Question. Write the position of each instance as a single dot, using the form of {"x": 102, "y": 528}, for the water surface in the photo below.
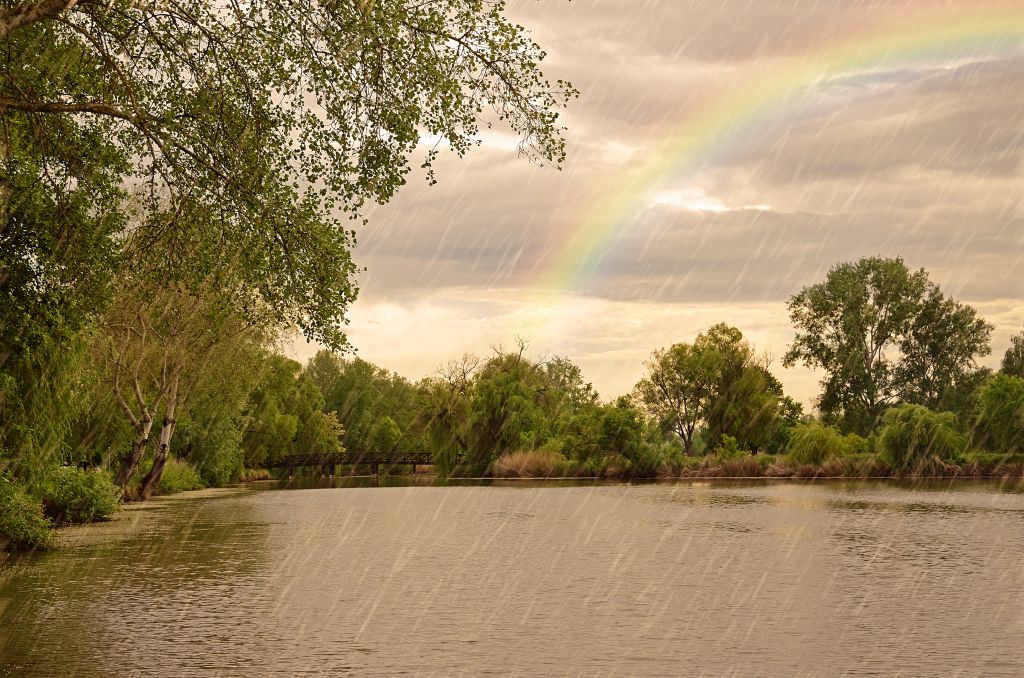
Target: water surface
{"x": 698, "y": 578}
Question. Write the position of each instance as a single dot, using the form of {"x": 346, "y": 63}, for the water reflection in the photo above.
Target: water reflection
{"x": 335, "y": 578}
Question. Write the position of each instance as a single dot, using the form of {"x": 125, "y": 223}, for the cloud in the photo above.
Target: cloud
{"x": 921, "y": 160}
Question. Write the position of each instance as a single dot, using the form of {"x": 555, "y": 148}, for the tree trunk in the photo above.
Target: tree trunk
{"x": 152, "y": 478}
{"x": 131, "y": 462}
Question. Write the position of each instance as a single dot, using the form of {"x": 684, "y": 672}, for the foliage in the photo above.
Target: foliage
{"x": 288, "y": 415}
{"x": 728, "y": 449}
{"x": 23, "y": 526}
{"x": 813, "y": 443}
{"x": 719, "y": 382}
{"x": 855, "y": 444}
{"x": 505, "y": 412}
{"x": 179, "y": 476}
{"x": 883, "y": 334}
{"x": 1001, "y": 413}
{"x": 1013, "y": 359}
{"x": 362, "y": 395}
{"x": 913, "y": 435}
{"x": 57, "y": 258}
{"x": 74, "y": 495}
{"x": 217, "y": 120}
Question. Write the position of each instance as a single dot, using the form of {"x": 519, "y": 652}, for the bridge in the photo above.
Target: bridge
{"x": 327, "y": 461}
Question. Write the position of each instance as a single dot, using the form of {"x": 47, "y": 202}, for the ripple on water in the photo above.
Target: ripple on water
{"x": 772, "y": 579}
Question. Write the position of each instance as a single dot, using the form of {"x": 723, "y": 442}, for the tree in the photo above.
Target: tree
{"x": 1001, "y": 412}
{"x": 718, "y": 382}
{"x": 506, "y": 411}
{"x": 884, "y": 335}
{"x": 748, "y": 400}
{"x": 677, "y": 390}
{"x": 444, "y": 402}
{"x": 158, "y": 343}
{"x": 939, "y": 349}
{"x": 288, "y": 416}
{"x": 361, "y": 394}
{"x": 56, "y": 265}
{"x": 249, "y": 132}
{"x": 914, "y": 438}
{"x": 1013, "y": 359}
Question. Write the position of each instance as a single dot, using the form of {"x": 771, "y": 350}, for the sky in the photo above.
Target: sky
{"x": 639, "y": 242}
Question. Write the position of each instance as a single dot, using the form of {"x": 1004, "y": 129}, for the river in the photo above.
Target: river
{"x": 525, "y": 579}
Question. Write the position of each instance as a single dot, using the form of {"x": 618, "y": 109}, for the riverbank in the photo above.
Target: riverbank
{"x": 854, "y": 466}
{"x": 132, "y": 518}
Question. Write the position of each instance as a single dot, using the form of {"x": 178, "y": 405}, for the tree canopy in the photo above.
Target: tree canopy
{"x": 716, "y": 382}
{"x": 247, "y": 133}
{"x": 883, "y": 334}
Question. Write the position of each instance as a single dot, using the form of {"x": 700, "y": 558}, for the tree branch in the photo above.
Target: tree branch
{"x": 19, "y": 16}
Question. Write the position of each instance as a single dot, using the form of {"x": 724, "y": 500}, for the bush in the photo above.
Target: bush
{"x": 915, "y": 439}
{"x": 530, "y": 464}
{"x": 986, "y": 463}
{"x": 728, "y": 449}
{"x": 179, "y": 476}
{"x": 646, "y": 462}
{"x": 855, "y": 444}
{"x": 745, "y": 466}
{"x": 1001, "y": 413}
{"x": 813, "y": 443}
{"x": 74, "y": 495}
{"x": 23, "y": 526}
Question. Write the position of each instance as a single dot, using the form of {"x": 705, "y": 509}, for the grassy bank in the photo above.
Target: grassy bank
{"x": 540, "y": 464}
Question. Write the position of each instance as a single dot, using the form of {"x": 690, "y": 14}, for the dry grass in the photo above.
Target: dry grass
{"x": 1009, "y": 469}
{"x": 529, "y": 464}
{"x": 743, "y": 467}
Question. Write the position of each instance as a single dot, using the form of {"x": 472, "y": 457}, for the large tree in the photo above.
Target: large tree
{"x": 717, "y": 382}
{"x": 883, "y": 334}
{"x": 258, "y": 128}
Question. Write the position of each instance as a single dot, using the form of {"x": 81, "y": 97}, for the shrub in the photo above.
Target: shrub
{"x": 728, "y": 449}
{"x": 985, "y": 463}
{"x": 744, "y": 466}
{"x": 916, "y": 439}
{"x": 645, "y": 462}
{"x": 179, "y": 476}
{"x": 74, "y": 495}
{"x": 1001, "y": 412}
{"x": 23, "y": 526}
{"x": 529, "y": 464}
{"x": 812, "y": 443}
{"x": 855, "y": 444}
{"x": 779, "y": 469}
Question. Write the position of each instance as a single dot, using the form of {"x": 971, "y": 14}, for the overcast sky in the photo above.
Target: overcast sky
{"x": 921, "y": 158}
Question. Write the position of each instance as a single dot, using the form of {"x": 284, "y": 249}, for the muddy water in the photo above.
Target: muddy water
{"x": 767, "y": 579}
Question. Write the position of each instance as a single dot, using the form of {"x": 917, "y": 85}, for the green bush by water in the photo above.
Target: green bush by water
{"x": 23, "y": 527}
{"x": 179, "y": 476}
{"x": 814, "y": 443}
{"x": 913, "y": 437}
{"x": 74, "y": 495}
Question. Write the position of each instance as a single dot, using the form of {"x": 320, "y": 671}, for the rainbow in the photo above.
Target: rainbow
{"x": 727, "y": 121}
